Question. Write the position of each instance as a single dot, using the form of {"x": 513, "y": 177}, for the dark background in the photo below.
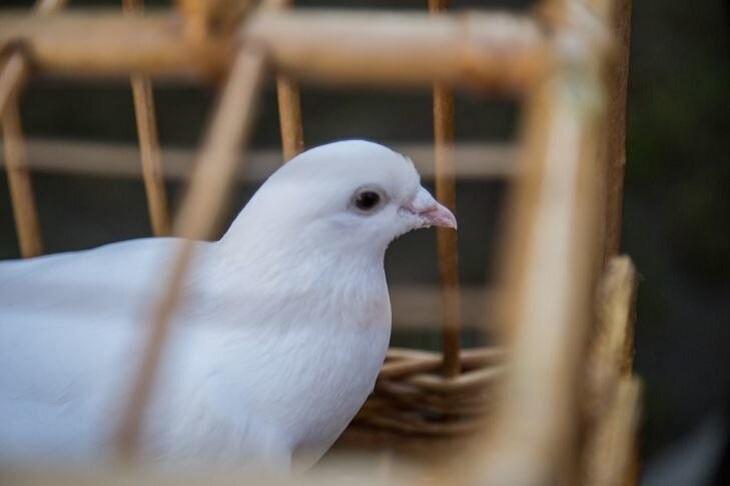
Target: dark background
{"x": 676, "y": 225}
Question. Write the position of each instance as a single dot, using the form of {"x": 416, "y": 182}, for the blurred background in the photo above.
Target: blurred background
{"x": 676, "y": 225}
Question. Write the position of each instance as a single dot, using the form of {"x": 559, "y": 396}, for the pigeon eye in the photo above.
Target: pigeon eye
{"x": 366, "y": 200}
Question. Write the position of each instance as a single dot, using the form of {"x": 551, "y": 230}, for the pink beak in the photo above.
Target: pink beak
{"x": 431, "y": 212}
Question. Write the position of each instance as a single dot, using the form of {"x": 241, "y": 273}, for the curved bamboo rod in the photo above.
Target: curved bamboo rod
{"x": 149, "y": 146}
{"x": 13, "y": 75}
{"x": 19, "y": 181}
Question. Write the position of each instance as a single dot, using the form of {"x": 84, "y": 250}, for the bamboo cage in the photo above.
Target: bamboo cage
{"x": 556, "y": 402}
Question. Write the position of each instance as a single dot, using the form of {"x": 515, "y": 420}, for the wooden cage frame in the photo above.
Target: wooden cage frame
{"x": 567, "y": 306}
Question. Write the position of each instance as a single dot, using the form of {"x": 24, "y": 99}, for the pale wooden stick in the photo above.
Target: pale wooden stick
{"x": 13, "y": 75}
{"x": 144, "y": 110}
{"x": 551, "y": 246}
{"x": 446, "y": 239}
{"x": 290, "y": 110}
{"x": 199, "y": 213}
{"x": 21, "y": 189}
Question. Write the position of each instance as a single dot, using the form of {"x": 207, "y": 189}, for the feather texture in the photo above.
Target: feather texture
{"x": 284, "y": 326}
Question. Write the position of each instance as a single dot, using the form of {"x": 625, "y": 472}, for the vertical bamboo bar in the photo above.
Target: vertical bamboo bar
{"x": 446, "y": 239}
{"x": 547, "y": 309}
{"x": 290, "y": 110}
{"x": 290, "y": 117}
{"x": 13, "y": 75}
{"x": 210, "y": 185}
{"x": 617, "y": 84}
{"x": 144, "y": 110}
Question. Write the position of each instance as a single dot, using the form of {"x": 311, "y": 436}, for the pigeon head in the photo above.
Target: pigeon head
{"x": 353, "y": 194}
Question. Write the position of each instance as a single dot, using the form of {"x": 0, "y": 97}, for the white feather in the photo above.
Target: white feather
{"x": 284, "y": 326}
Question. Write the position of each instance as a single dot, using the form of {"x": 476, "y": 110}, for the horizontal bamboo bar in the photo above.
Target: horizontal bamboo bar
{"x": 476, "y": 160}
{"x": 109, "y": 43}
{"x": 477, "y": 49}
{"x": 484, "y": 50}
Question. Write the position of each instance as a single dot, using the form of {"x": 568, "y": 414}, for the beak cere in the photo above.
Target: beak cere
{"x": 430, "y": 211}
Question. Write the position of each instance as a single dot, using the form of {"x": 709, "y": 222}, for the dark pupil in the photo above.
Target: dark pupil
{"x": 367, "y": 200}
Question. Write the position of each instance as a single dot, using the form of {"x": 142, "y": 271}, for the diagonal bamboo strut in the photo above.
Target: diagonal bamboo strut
{"x": 446, "y": 239}
{"x": 209, "y": 188}
{"x": 12, "y": 77}
{"x": 144, "y": 110}
{"x": 290, "y": 110}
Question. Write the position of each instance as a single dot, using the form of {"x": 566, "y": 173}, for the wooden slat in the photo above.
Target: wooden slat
{"x": 446, "y": 239}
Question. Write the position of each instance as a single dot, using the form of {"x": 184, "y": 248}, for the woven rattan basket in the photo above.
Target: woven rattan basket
{"x": 555, "y": 402}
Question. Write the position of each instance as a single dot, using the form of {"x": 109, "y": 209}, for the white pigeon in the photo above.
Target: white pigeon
{"x": 285, "y": 324}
